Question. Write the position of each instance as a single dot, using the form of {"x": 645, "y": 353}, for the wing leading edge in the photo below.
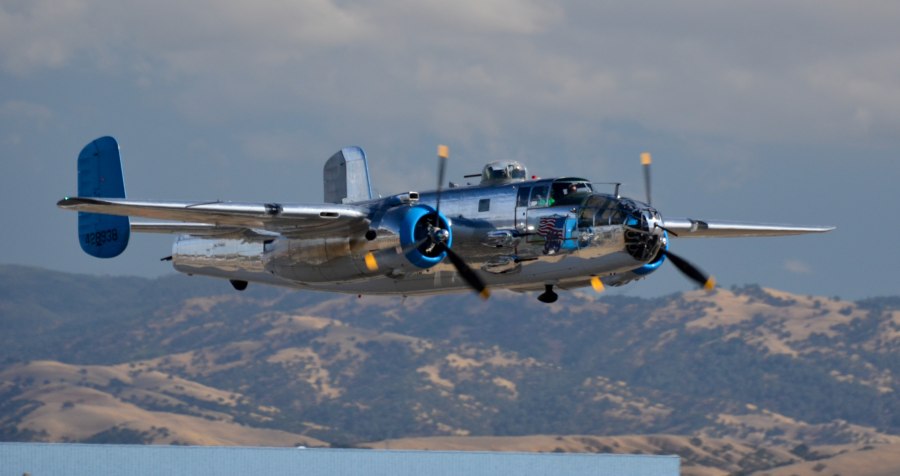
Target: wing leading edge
{"x": 691, "y": 228}
{"x": 215, "y": 218}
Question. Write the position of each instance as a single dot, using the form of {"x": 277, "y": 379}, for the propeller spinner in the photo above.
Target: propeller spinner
{"x": 433, "y": 240}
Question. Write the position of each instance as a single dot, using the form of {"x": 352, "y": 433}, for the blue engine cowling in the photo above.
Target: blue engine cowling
{"x": 414, "y": 229}
{"x": 656, "y": 263}
{"x": 641, "y": 272}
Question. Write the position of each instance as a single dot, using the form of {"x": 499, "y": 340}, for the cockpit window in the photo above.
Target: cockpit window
{"x": 522, "y": 198}
{"x": 567, "y": 193}
{"x": 539, "y": 196}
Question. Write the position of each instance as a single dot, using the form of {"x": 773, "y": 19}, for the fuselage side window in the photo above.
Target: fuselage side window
{"x": 522, "y": 198}
{"x": 484, "y": 204}
{"x": 539, "y": 196}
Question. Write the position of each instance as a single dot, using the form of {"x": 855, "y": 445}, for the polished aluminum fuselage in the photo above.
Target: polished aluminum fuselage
{"x": 496, "y": 232}
{"x": 506, "y": 232}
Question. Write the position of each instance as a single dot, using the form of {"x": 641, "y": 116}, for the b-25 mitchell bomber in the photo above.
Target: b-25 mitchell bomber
{"x": 509, "y": 231}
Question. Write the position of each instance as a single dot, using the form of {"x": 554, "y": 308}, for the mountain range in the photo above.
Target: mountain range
{"x": 736, "y": 381}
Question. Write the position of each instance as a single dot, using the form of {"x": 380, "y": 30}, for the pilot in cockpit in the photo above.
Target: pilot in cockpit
{"x": 538, "y": 198}
{"x": 567, "y": 193}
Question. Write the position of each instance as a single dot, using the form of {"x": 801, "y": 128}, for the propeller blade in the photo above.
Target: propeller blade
{"x": 646, "y": 160}
{"x": 597, "y": 284}
{"x": 443, "y": 153}
{"x": 466, "y": 272}
{"x": 371, "y": 262}
{"x": 706, "y": 281}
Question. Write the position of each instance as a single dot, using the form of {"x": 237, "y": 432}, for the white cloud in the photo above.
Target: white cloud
{"x": 198, "y": 37}
{"x": 797, "y": 267}
{"x": 41, "y": 33}
{"x": 753, "y": 110}
{"x": 760, "y": 71}
{"x": 24, "y": 110}
{"x": 449, "y": 21}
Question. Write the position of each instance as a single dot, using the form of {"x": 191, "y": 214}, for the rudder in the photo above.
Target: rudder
{"x": 346, "y": 177}
{"x": 100, "y": 176}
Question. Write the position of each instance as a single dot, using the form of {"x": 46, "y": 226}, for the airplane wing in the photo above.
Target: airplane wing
{"x": 691, "y": 228}
{"x": 239, "y": 219}
{"x": 203, "y": 229}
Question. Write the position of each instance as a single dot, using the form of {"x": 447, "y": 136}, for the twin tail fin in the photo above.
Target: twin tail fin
{"x": 100, "y": 176}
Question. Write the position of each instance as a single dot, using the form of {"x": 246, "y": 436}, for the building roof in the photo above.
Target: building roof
{"x": 102, "y": 460}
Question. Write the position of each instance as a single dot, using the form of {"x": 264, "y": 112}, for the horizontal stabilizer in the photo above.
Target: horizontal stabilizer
{"x": 691, "y": 228}
{"x": 287, "y": 219}
{"x": 100, "y": 175}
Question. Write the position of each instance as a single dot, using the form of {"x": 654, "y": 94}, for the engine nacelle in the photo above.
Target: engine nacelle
{"x": 401, "y": 238}
{"x": 400, "y": 241}
{"x": 642, "y": 272}
{"x": 417, "y": 223}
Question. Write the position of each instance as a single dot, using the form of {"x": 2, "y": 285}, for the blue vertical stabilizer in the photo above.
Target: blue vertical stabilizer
{"x": 100, "y": 176}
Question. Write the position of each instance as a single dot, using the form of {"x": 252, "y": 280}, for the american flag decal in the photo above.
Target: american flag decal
{"x": 552, "y": 226}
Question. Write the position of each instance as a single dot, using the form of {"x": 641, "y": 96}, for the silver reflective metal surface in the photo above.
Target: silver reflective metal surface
{"x": 346, "y": 177}
{"x": 517, "y": 233}
{"x": 690, "y": 228}
{"x": 485, "y": 236}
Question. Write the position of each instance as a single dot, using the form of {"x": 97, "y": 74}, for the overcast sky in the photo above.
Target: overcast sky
{"x": 785, "y": 112}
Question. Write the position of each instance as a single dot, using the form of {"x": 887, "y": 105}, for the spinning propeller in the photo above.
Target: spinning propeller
{"x": 432, "y": 240}
{"x": 438, "y": 237}
{"x": 686, "y": 267}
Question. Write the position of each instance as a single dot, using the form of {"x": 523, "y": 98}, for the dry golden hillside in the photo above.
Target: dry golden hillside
{"x": 105, "y": 403}
{"x": 735, "y": 381}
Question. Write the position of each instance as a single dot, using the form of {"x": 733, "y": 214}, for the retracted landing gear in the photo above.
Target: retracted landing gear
{"x": 238, "y": 284}
{"x": 549, "y": 296}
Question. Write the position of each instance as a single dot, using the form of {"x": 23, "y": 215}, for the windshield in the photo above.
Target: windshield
{"x": 570, "y": 192}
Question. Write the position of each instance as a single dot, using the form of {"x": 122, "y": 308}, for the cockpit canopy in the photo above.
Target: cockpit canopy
{"x": 570, "y": 191}
{"x": 503, "y": 172}
{"x": 555, "y": 192}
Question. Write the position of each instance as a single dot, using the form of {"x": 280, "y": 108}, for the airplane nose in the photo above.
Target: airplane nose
{"x": 645, "y": 239}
